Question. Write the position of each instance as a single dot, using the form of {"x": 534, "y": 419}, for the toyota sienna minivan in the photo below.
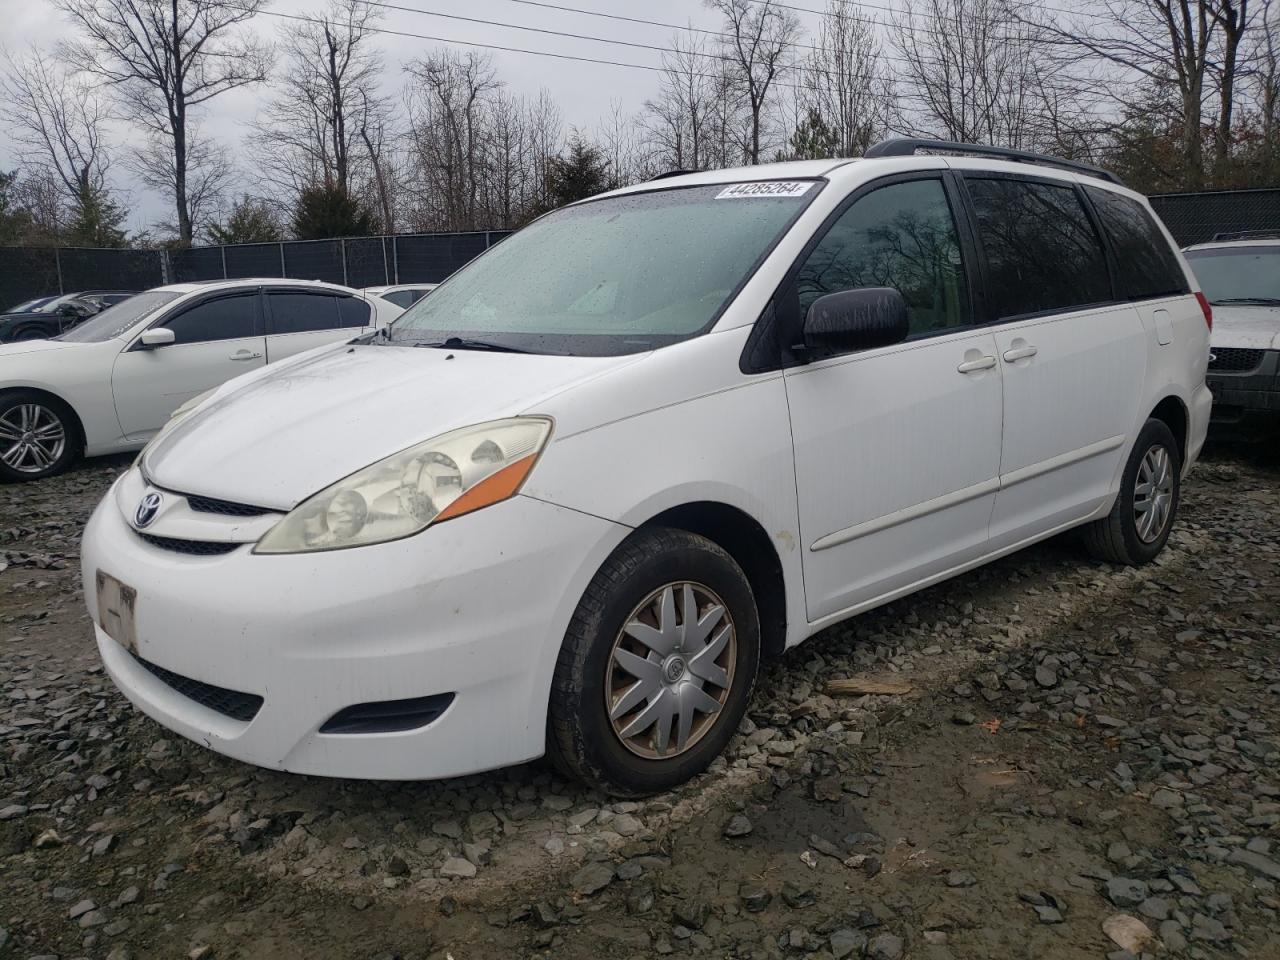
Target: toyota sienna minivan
{"x": 567, "y": 503}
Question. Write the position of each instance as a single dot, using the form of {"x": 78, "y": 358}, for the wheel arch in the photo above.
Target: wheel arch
{"x": 1173, "y": 413}
{"x": 77, "y": 423}
{"x": 744, "y": 539}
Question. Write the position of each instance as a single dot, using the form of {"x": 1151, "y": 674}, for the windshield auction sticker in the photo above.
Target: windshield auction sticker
{"x": 765, "y": 188}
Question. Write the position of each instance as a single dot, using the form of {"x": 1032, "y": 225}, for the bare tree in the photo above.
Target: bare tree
{"x": 58, "y": 120}
{"x": 206, "y": 174}
{"x": 326, "y": 102}
{"x": 678, "y": 119}
{"x": 165, "y": 58}
{"x": 446, "y": 114}
{"x": 846, "y": 80}
{"x": 1232, "y": 19}
{"x": 760, "y": 36}
{"x": 1188, "y": 46}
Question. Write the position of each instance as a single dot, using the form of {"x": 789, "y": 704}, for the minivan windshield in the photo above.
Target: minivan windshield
{"x": 115, "y": 321}
{"x": 1242, "y": 275}
{"x": 608, "y": 277}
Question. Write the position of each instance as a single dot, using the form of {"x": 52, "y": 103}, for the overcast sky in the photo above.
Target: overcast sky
{"x": 584, "y": 91}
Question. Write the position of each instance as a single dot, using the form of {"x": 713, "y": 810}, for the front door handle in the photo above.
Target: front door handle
{"x": 245, "y": 355}
{"x": 982, "y": 363}
{"x": 1019, "y": 353}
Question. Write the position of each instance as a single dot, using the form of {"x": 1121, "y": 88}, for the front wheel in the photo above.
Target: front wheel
{"x": 1138, "y": 526}
{"x": 657, "y": 665}
{"x": 38, "y": 436}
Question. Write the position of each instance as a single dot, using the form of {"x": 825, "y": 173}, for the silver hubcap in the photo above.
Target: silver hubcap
{"x": 670, "y": 670}
{"x": 1153, "y": 493}
{"x": 32, "y": 438}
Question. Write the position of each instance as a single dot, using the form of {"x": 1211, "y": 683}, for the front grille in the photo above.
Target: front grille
{"x": 1234, "y": 359}
{"x": 193, "y": 548}
{"x": 229, "y": 703}
{"x": 224, "y": 507}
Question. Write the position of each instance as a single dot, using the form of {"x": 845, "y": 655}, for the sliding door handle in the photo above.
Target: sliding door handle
{"x": 982, "y": 363}
{"x": 1019, "y": 353}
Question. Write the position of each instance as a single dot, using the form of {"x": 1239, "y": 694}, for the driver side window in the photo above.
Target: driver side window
{"x": 901, "y": 236}
{"x": 227, "y": 318}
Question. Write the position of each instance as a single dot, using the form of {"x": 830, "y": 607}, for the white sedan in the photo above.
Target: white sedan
{"x": 108, "y": 385}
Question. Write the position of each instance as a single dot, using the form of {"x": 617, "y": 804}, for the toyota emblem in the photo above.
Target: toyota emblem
{"x": 147, "y": 510}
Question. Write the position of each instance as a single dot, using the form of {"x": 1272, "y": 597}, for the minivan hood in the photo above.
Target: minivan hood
{"x": 1240, "y": 325}
{"x": 278, "y": 437}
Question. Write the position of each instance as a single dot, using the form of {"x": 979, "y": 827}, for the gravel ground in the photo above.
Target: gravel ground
{"x": 1081, "y": 760}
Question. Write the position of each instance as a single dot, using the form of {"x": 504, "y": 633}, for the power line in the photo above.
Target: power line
{"x": 872, "y": 21}
{"x": 524, "y": 50}
{"x": 591, "y": 38}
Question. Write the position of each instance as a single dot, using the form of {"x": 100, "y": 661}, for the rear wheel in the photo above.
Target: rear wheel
{"x": 657, "y": 666}
{"x": 1138, "y": 526}
{"x": 29, "y": 333}
{"x": 38, "y": 436}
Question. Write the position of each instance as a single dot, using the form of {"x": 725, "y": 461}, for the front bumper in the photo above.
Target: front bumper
{"x": 1247, "y": 400}
{"x": 476, "y": 607}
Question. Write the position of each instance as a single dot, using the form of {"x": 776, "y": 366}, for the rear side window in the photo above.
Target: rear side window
{"x": 901, "y": 236}
{"x": 302, "y": 312}
{"x": 352, "y": 312}
{"x": 228, "y": 318}
{"x": 1043, "y": 254}
{"x": 401, "y": 298}
{"x": 1146, "y": 266}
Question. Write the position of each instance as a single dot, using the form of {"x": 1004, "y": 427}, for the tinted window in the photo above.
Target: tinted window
{"x": 901, "y": 236}
{"x": 352, "y": 312}
{"x": 227, "y": 318}
{"x": 1146, "y": 265}
{"x": 1042, "y": 251}
{"x": 401, "y": 298}
{"x": 302, "y": 312}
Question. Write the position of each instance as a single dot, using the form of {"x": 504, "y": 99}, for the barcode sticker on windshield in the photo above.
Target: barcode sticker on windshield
{"x": 765, "y": 188}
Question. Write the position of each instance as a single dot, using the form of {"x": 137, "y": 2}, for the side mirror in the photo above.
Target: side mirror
{"x": 856, "y": 320}
{"x": 157, "y": 337}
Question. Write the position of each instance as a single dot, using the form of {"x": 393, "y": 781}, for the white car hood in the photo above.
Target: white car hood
{"x": 276, "y": 438}
{"x": 1239, "y": 325}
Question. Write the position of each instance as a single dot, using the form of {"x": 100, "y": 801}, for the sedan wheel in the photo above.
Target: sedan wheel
{"x": 36, "y": 438}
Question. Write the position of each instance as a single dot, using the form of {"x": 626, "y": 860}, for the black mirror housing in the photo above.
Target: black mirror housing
{"x": 856, "y": 320}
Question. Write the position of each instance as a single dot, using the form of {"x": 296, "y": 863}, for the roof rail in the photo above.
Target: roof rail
{"x": 670, "y": 173}
{"x": 906, "y": 146}
{"x": 1246, "y": 235}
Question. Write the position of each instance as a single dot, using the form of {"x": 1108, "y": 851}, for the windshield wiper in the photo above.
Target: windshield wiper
{"x": 466, "y": 343}
{"x": 1266, "y": 300}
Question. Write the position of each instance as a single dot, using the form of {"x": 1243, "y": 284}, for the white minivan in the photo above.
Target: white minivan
{"x": 568, "y": 502}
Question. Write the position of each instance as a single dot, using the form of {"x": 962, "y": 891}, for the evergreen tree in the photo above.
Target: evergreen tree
{"x": 250, "y": 221}
{"x": 15, "y": 219}
{"x": 95, "y": 220}
{"x": 327, "y": 210}
{"x": 581, "y": 174}
{"x": 812, "y": 139}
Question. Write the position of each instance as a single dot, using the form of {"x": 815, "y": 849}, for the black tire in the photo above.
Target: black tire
{"x": 1116, "y": 538}
{"x": 581, "y": 739}
{"x": 29, "y": 333}
{"x": 70, "y": 450}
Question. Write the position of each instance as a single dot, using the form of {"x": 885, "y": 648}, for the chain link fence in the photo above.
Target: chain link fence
{"x": 29, "y": 272}
{"x": 1196, "y": 217}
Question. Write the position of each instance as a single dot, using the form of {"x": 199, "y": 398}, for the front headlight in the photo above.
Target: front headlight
{"x": 430, "y": 482}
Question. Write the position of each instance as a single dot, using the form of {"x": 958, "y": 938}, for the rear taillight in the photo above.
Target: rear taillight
{"x": 1208, "y": 310}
